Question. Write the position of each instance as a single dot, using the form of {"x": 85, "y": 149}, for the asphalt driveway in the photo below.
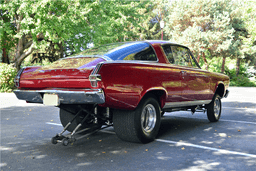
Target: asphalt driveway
{"x": 185, "y": 141}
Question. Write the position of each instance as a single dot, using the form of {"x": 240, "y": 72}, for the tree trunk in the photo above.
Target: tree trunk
{"x": 21, "y": 56}
{"x": 238, "y": 60}
{"x": 21, "y": 52}
{"x": 5, "y": 58}
{"x": 61, "y": 50}
{"x": 205, "y": 61}
{"x": 198, "y": 58}
{"x": 223, "y": 65}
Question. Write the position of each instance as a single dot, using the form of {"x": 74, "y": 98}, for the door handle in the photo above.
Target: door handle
{"x": 183, "y": 73}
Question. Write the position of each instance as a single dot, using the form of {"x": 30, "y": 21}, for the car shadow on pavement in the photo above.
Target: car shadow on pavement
{"x": 172, "y": 125}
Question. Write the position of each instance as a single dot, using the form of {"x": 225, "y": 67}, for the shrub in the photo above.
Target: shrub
{"x": 242, "y": 81}
{"x": 28, "y": 63}
{"x": 7, "y": 75}
{"x": 246, "y": 77}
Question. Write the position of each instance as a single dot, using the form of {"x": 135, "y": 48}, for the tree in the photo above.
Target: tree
{"x": 33, "y": 24}
{"x": 6, "y": 41}
{"x": 210, "y": 28}
{"x": 149, "y": 25}
{"x": 37, "y": 22}
{"x": 110, "y": 21}
{"x": 249, "y": 43}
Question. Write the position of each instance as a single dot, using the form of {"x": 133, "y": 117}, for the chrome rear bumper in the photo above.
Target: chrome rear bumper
{"x": 86, "y": 96}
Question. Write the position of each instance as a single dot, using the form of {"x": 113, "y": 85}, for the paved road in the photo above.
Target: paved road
{"x": 185, "y": 142}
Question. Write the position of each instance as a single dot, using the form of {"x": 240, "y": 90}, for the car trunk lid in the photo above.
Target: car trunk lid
{"x": 67, "y": 72}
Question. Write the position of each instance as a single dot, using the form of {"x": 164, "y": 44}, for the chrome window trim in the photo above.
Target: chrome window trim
{"x": 90, "y": 56}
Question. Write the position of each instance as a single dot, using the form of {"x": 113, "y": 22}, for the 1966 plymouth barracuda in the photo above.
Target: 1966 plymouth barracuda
{"x": 126, "y": 85}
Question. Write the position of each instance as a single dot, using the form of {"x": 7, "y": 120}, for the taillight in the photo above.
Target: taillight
{"x": 17, "y": 78}
{"x": 94, "y": 79}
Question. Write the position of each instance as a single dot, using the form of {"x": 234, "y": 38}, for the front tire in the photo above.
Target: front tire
{"x": 214, "y": 109}
{"x": 141, "y": 125}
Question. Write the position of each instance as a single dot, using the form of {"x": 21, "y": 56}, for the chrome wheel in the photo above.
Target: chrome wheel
{"x": 148, "y": 118}
{"x": 140, "y": 125}
{"x": 214, "y": 109}
{"x": 217, "y": 107}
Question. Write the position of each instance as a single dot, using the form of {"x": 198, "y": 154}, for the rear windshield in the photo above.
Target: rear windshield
{"x": 101, "y": 50}
{"x": 123, "y": 51}
{"x": 74, "y": 62}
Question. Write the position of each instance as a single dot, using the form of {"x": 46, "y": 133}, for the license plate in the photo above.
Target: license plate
{"x": 51, "y": 100}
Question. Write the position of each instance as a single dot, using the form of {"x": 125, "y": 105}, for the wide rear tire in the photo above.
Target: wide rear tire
{"x": 140, "y": 125}
{"x": 214, "y": 109}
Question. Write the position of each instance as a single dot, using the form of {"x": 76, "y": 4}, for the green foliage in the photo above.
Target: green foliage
{"x": 202, "y": 25}
{"x": 148, "y": 28}
{"x": 217, "y": 27}
{"x": 34, "y": 24}
{"x": 242, "y": 81}
{"x": 111, "y": 21}
{"x": 7, "y": 75}
{"x": 247, "y": 75}
{"x": 29, "y": 63}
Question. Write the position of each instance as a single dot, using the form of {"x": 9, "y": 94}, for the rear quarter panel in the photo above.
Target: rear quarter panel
{"x": 125, "y": 84}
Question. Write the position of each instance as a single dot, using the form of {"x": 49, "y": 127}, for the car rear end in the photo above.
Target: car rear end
{"x": 64, "y": 82}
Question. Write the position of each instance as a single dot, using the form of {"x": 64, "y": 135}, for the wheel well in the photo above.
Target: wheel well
{"x": 220, "y": 90}
{"x": 159, "y": 94}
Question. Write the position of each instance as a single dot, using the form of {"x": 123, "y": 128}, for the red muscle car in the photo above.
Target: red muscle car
{"x": 127, "y": 85}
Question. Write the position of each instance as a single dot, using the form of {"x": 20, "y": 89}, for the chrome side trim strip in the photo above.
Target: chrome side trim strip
{"x": 66, "y": 97}
{"x": 186, "y": 103}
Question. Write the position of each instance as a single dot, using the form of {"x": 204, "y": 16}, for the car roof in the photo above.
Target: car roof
{"x": 162, "y": 42}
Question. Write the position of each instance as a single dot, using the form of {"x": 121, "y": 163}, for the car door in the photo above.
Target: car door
{"x": 195, "y": 82}
{"x": 174, "y": 81}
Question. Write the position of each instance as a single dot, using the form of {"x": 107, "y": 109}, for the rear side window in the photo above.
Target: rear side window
{"x": 168, "y": 53}
{"x": 181, "y": 56}
{"x": 178, "y": 55}
{"x": 133, "y": 51}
